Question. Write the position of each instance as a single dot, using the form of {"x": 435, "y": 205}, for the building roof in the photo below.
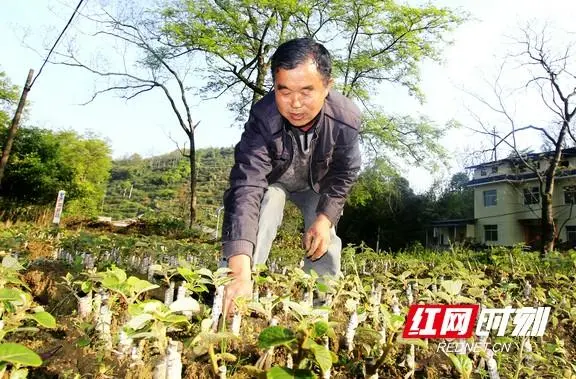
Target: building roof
{"x": 569, "y": 152}
{"x": 516, "y": 177}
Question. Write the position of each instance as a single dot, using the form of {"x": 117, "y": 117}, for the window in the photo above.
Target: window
{"x": 490, "y": 198}
{"x": 570, "y": 195}
{"x": 571, "y": 233}
{"x": 483, "y": 172}
{"x": 491, "y": 233}
{"x": 531, "y": 196}
{"x": 494, "y": 169}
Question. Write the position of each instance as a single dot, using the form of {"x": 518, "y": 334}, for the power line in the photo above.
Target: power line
{"x": 518, "y": 212}
{"x": 56, "y": 43}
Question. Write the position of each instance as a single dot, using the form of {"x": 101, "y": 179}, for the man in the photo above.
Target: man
{"x": 300, "y": 143}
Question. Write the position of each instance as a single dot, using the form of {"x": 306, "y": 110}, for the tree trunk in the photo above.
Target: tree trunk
{"x": 14, "y": 126}
{"x": 193, "y": 178}
{"x": 260, "y": 77}
{"x": 548, "y": 229}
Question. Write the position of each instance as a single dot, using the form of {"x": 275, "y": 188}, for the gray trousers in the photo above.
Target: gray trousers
{"x": 271, "y": 213}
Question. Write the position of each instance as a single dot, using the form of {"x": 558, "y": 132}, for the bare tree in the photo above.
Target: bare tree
{"x": 161, "y": 66}
{"x": 551, "y": 78}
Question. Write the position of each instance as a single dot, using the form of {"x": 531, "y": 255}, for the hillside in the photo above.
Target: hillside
{"x": 160, "y": 185}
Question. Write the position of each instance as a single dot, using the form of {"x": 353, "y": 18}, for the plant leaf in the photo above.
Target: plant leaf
{"x": 274, "y": 336}
{"x": 86, "y": 286}
{"x": 368, "y": 336}
{"x": 186, "y": 304}
{"x": 83, "y": 341}
{"x": 286, "y": 373}
{"x": 19, "y": 354}
{"x": 412, "y": 341}
{"x": 139, "y": 285}
{"x": 452, "y": 287}
{"x": 204, "y": 272}
{"x": 11, "y": 263}
{"x": 9, "y": 294}
{"x": 137, "y": 322}
{"x": 44, "y": 319}
{"x": 320, "y": 328}
{"x": 21, "y": 373}
{"x": 322, "y": 355}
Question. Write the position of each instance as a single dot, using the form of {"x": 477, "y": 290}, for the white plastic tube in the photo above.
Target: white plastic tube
{"x": 527, "y": 348}
{"x": 217, "y": 307}
{"x": 173, "y": 361}
{"x": 169, "y": 294}
{"x": 160, "y": 369}
{"x": 492, "y": 366}
{"x": 409, "y": 294}
{"x": 103, "y": 325}
{"x": 124, "y": 344}
{"x": 222, "y": 372}
{"x": 85, "y": 306}
{"x": 395, "y": 306}
{"x": 96, "y": 304}
{"x": 289, "y": 361}
{"x": 351, "y": 331}
{"x": 326, "y": 374}
{"x": 527, "y": 290}
{"x": 151, "y": 272}
{"x": 236, "y": 323}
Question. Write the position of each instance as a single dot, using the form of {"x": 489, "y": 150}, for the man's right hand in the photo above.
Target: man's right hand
{"x": 241, "y": 284}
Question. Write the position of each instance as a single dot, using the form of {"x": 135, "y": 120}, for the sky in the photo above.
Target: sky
{"x": 146, "y": 125}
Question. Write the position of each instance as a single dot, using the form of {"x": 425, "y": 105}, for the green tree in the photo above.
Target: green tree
{"x": 43, "y": 162}
{"x": 383, "y": 211}
{"x": 89, "y": 159}
{"x": 372, "y": 42}
{"x": 457, "y": 201}
{"x": 8, "y": 97}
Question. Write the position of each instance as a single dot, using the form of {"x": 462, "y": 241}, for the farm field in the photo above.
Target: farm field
{"x": 99, "y": 304}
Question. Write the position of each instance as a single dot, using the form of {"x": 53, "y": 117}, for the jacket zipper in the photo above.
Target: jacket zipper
{"x": 312, "y": 146}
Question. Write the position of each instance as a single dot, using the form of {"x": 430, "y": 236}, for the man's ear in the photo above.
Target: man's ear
{"x": 329, "y": 85}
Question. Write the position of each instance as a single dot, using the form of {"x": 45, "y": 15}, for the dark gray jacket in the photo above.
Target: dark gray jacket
{"x": 265, "y": 152}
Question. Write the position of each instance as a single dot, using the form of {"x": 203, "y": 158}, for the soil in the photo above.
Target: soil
{"x": 39, "y": 250}
{"x": 44, "y": 278}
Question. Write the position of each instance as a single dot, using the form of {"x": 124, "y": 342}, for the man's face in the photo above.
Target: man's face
{"x": 300, "y": 93}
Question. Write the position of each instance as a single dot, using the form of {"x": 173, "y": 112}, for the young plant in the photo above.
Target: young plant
{"x": 17, "y": 308}
{"x": 306, "y": 343}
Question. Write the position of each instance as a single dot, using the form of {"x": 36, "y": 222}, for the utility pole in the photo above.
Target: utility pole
{"x": 14, "y": 125}
{"x": 494, "y": 143}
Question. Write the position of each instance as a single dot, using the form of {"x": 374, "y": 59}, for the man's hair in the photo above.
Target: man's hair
{"x": 297, "y": 51}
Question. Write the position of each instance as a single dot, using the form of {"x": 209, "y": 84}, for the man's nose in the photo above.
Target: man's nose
{"x": 296, "y": 102}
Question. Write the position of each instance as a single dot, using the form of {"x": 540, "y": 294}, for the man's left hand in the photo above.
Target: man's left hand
{"x": 317, "y": 238}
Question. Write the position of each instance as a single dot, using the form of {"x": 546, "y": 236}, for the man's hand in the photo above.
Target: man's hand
{"x": 317, "y": 238}
{"x": 241, "y": 285}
